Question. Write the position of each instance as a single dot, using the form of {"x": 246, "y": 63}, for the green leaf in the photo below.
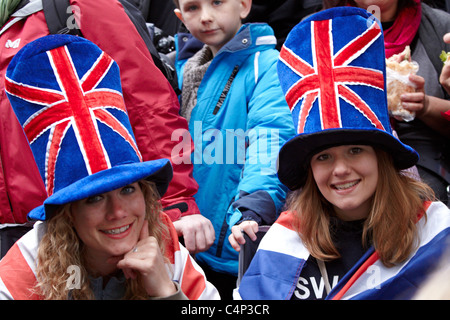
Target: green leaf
{"x": 443, "y": 56}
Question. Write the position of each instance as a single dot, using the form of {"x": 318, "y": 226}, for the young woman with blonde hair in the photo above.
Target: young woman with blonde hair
{"x": 53, "y": 263}
{"x": 356, "y": 225}
{"x": 101, "y": 233}
{"x": 390, "y": 224}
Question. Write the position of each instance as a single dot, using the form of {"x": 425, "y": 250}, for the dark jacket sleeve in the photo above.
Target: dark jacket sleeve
{"x": 257, "y": 206}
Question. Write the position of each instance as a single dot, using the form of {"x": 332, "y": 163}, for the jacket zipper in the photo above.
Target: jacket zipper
{"x": 223, "y": 233}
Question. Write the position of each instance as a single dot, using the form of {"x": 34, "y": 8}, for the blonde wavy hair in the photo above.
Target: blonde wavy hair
{"x": 61, "y": 247}
{"x": 390, "y": 226}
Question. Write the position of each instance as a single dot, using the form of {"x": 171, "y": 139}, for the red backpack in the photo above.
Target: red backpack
{"x": 151, "y": 102}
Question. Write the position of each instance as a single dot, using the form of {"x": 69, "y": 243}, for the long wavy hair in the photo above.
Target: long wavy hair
{"x": 61, "y": 248}
{"x": 390, "y": 226}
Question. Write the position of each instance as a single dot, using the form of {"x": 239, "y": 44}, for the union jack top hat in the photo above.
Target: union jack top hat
{"x": 67, "y": 95}
{"x": 332, "y": 71}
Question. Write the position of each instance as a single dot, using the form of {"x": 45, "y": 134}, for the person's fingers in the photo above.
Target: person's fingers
{"x": 144, "y": 231}
{"x": 250, "y": 228}
{"x": 210, "y": 234}
{"x": 446, "y": 37}
{"x": 235, "y": 237}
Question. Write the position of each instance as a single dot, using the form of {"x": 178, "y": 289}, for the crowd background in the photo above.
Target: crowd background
{"x": 148, "y": 110}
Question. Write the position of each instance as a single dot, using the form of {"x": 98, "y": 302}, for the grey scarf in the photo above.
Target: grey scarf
{"x": 194, "y": 71}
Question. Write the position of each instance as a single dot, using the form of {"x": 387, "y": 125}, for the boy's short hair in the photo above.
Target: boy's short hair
{"x": 177, "y": 3}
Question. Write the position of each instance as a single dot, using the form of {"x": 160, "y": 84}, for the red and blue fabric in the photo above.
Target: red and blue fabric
{"x": 330, "y": 77}
{"x": 282, "y": 249}
{"x": 332, "y": 71}
{"x": 67, "y": 95}
{"x": 18, "y": 267}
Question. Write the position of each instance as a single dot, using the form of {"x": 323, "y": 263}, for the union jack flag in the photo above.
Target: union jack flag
{"x": 282, "y": 254}
{"x": 328, "y": 77}
{"x": 77, "y": 103}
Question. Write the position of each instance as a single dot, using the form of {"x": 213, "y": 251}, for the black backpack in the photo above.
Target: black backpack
{"x": 56, "y": 16}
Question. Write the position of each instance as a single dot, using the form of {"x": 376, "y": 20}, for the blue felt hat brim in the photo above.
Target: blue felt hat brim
{"x": 158, "y": 171}
{"x": 295, "y": 155}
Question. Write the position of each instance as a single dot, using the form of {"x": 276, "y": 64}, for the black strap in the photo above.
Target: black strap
{"x": 182, "y": 206}
{"x": 10, "y": 234}
{"x": 140, "y": 24}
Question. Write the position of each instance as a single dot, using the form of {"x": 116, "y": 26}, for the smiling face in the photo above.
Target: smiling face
{"x": 213, "y": 22}
{"x": 347, "y": 177}
{"x": 109, "y": 224}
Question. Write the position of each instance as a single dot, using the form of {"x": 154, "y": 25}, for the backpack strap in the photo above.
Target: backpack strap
{"x": 57, "y": 14}
{"x": 24, "y": 9}
{"x": 161, "y": 62}
{"x": 60, "y": 20}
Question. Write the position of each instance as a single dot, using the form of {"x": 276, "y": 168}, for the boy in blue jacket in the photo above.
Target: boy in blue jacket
{"x": 239, "y": 119}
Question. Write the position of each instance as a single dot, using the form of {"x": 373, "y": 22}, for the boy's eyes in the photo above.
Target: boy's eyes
{"x": 193, "y": 7}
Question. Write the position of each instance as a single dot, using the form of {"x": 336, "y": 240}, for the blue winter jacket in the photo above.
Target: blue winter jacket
{"x": 238, "y": 126}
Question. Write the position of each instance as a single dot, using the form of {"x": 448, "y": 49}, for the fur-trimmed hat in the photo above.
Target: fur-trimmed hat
{"x": 67, "y": 95}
